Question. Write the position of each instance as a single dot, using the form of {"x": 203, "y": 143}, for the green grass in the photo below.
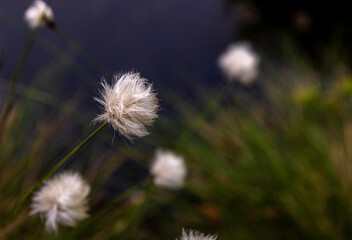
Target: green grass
{"x": 272, "y": 161}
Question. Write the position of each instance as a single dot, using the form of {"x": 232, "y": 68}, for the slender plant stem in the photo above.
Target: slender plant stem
{"x": 54, "y": 169}
{"x": 14, "y": 78}
{"x": 200, "y": 118}
{"x": 80, "y": 50}
{"x": 149, "y": 187}
{"x": 20, "y": 64}
{"x": 144, "y": 185}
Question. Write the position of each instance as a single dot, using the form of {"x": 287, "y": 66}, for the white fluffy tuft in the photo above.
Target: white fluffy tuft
{"x": 240, "y": 62}
{"x": 194, "y": 235}
{"x": 129, "y": 105}
{"x": 168, "y": 170}
{"x": 62, "y": 200}
{"x": 38, "y": 14}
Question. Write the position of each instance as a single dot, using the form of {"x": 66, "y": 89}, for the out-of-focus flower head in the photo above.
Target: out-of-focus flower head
{"x": 168, "y": 170}
{"x": 239, "y": 62}
{"x": 194, "y": 235}
{"x": 62, "y": 200}
{"x": 129, "y": 105}
{"x": 39, "y": 14}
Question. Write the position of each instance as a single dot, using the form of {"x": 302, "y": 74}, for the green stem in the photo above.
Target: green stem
{"x": 91, "y": 60}
{"x": 14, "y": 78}
{"x": 144, "y": 185}
{"x": 20, "y": 64}
{"x": 198, "y": 120}
{"x": 135, "y": 216}
{"x": 54, "y": 169}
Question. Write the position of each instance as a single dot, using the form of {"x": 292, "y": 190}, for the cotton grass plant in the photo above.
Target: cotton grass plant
{"x": 282, "y": 152}
{"x": 240, "y": 63}
{"x": 129, "y": 104}
{"x": 127, "y": 109}
{"x": 39, "y": 14}
{"x": 194, "y": 235}
{"x": 271, "y": 162}
{"x": 168, "y": 170}
{"x": 62, "y": 200}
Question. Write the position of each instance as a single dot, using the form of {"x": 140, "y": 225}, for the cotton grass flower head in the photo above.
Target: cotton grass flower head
{"x": 194, "y": 235}
{"x": 62, "y": 200}
{"x": 130, "y": 105}
{"x": 240, "y": 62}
{"x": 39, "y": 14}
{"x": 168, "y": 170}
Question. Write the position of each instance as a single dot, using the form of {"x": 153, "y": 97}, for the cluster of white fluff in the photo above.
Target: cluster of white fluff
{"x": 239, "y": 62}
{"x": 62, "y": 200}
{"x": 168, "y": 170}
{"x": 39, "y": 14}
{"x": 194, "y": 235}
{"x": 130, "y": 105}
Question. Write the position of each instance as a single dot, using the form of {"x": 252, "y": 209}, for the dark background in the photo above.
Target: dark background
{"x": 170, "y": 42}
{"x": 173, "y": 43}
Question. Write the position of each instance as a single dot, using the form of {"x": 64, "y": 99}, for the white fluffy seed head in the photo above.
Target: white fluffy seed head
{"x": 168, "y": 170}
{"x": 239, "y": 62}
{"x": 130, "y": 105}
{"x": 38, "y": 14}
{"x": 194, "y": 235}
{"x": 62, "y": 200}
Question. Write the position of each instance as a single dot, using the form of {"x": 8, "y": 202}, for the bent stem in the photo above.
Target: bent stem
{"x": 213, "y": 104}
{"x": 149, "y": 187}
{"x": 80, "y": 50}
{"x": 146, "y": 184}
{"x": 14, "y": 78}
{"x": 54, "y": 169}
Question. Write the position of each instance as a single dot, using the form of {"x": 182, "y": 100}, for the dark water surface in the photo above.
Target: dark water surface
{"x": 171, "y": 42}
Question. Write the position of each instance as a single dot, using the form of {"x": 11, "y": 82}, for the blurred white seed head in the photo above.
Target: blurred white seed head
{"x": 129, "y": 105}
{"x": 168, "y": 170}
{"x": 194, "y": 235}
{"x": 62, "y": 200}
{"x": 38, "y": 14}
{"x": 239, "y": 62}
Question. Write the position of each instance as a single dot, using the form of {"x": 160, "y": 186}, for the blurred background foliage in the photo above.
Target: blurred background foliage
{"x": 269, "y": 161}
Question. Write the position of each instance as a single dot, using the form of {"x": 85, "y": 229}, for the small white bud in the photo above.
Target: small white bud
{"x": 239, "y": 62}
{"x": 38, "y": 14}
{"x": 168, "y": 170}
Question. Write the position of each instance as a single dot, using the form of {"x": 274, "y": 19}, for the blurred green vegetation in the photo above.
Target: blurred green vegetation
{"x": 272, "y": 161}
